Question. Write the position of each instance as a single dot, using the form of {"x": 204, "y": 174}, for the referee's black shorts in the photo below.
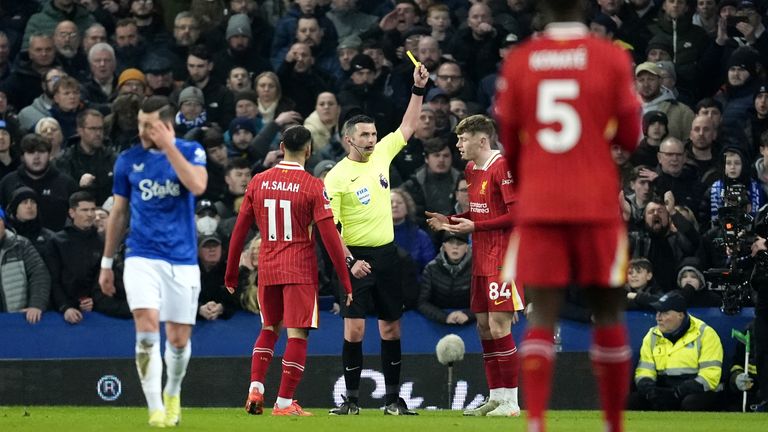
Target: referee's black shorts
{"x": 381, "y": 291}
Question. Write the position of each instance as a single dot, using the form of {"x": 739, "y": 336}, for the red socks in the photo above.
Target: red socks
{"x": 538, "y": 359}
{"x": 611, "y": 357}
{"x": 293, "y": 366}
{"x": 508, "y": 361}
{"x": 263, "y": 350}
{"x": 490, "y": 361}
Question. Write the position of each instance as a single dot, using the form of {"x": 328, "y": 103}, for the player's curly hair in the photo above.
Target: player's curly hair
{"x": 476, "y": 123}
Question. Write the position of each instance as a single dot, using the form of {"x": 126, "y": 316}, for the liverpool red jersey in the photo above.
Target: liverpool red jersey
{"x": 490, "y": 190}
{"x": 284, "y": 201}
{"x": 562, "y": 100}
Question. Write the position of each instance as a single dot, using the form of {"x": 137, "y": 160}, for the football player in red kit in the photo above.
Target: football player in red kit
{"x": 288, "y": 206}
{"x": 562, "y": 99}
{"x": 495, "y": 302}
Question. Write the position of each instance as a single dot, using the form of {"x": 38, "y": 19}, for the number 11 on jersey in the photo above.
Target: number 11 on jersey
{"x": 271, "y": 206}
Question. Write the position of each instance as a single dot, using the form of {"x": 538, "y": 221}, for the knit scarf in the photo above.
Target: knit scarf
{"x": 196, "y": 122}
{"x": 267, "y": 112}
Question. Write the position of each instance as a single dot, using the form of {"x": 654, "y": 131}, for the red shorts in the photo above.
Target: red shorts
{"x": 294, "y": 305}
{"x": 556, "y": 255}
{"x": 490, "y": 294}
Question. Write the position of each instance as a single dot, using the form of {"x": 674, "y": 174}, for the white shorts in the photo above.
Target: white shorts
{"x": 157, "y": 284}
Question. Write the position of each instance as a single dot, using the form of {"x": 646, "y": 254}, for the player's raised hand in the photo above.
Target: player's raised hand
{"x": 162, "y": 134}
{"x": 420, "y": 76}
{"x": 437, "y": 221}
{"x": 460, "y": 225}
{"x": 107, "y": 282}
{"x": 360, "y": 269}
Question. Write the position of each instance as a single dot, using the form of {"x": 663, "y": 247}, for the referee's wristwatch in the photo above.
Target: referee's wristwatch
{"x": 350, "y": 261}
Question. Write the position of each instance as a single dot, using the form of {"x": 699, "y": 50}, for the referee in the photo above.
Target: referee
{"x": 358, "y": 187}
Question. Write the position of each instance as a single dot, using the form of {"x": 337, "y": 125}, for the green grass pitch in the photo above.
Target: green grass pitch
{"x": 84, "y": 419}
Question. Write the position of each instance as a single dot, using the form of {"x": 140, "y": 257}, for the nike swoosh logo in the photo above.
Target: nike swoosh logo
{"x": 353, "y": 180}
{"x": 348, "y": 369}
{"x": 395, "y": 363}
{"x": 497, "y": 302}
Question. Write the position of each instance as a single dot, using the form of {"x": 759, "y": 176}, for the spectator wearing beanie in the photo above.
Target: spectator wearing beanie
{"x": 757, "y": 122}
{"x": 192, "y": 113}
{"x": 246, "y": 106}
{"x": 358, "y": 92}
{"x": 132, "y": 81}
{"x": 242, "y": 132}
{"x": 261, "y": 24}
{"x": 738, "y": 96}
{"x": 240, "y": 50}
{"x": 24, "y": 217}
{"x": 659, "y": 49}
{"x": 693, "y": 286}
{"x": 654, "y": 131}
{"x": 26, "y": 284}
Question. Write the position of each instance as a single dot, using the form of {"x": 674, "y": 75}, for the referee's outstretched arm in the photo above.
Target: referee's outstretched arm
{"x": 412, "y": 113}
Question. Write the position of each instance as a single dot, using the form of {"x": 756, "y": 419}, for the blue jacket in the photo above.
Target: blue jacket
{"x": 416, "y": 242}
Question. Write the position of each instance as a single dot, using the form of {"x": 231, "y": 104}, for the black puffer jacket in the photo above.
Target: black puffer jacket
{"x": 445, "y": 286}
{"x": 73, "y": 258}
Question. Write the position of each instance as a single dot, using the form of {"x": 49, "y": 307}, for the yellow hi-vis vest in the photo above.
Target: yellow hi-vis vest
{"x": 698, "y": 353}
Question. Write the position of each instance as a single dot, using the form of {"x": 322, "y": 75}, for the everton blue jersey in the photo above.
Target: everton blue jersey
{"x": 162, "y": 209}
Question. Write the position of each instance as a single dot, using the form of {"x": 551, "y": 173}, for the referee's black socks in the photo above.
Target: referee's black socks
{"x": 391, "y": 359}
{"x": 352, "y": 359}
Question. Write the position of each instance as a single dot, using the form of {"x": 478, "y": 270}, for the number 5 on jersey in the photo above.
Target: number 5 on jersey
{"x": 552, "y": 107}
{"x": 271, "y": 206}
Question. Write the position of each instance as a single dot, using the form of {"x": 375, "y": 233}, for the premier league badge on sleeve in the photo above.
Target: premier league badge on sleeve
{"x": 383, "y": 181}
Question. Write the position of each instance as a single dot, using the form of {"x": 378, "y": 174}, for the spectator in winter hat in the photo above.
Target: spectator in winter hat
{"x": 132, "y": 81}
{"x": 654, "y": 131}
{"x": 192, "y": 112}
{"x": 738, "y": 96}
{"x": 240, "y": 50}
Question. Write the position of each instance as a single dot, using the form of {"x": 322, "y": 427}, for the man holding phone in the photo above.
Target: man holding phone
{"x": 741, "y": 23}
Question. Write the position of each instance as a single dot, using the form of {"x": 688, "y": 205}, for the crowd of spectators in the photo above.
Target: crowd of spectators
{"x": 73, "y": 73}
